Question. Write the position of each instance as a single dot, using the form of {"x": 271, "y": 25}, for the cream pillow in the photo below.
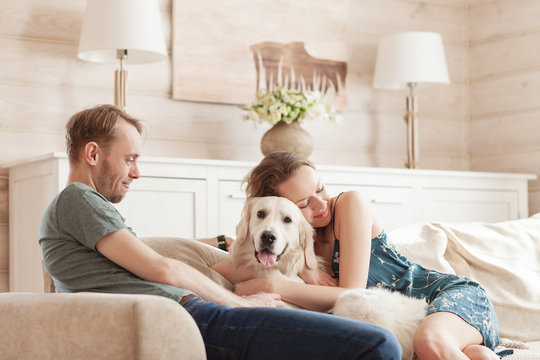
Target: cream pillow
{"x": 424, "y": 244}
{"x": 192, "y": 252}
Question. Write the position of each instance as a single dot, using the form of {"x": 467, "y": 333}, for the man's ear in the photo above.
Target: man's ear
{"x": 91, "y": 153}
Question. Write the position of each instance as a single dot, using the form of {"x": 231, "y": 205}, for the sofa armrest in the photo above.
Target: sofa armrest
{"x": 96, "y": 326}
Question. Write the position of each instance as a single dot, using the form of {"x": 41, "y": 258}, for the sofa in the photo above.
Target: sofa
{"x": 107, "y": 326}
{"x": 504, "y": 257}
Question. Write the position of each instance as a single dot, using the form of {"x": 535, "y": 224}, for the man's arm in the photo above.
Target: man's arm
{"x": 124, "y": 249}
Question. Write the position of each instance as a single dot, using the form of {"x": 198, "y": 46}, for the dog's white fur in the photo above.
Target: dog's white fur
{"x": 293, "y": 238}
{"x": 391, "y": 310}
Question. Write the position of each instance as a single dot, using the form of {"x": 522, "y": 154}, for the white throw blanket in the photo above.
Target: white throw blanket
{"x": 503, "y": 257}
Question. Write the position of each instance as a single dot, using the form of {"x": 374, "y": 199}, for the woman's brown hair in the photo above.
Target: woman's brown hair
{"x": 274, "y": 169}
{"x": 97, "y": 124}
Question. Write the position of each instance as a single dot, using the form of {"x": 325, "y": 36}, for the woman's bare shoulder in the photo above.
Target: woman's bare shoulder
{"x": 351, "y": 198}
{"x": 353, "y": 206}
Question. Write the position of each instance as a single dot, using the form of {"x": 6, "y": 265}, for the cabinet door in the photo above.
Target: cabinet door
{"x": 231, "y": 203}
{"x": 457, "y": 205}
{"x": 166, "y": 207}
{"x": 393, "y": 207}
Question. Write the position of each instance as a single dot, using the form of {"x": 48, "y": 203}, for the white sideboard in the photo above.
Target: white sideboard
{"x": 202, "y": 198}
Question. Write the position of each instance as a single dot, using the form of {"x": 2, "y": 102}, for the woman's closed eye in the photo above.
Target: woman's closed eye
{"x": 305, "y": 203}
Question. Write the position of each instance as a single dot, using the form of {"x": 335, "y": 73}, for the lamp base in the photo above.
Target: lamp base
{"x": 120, "y": 77}
{"x": 412, "y": 128}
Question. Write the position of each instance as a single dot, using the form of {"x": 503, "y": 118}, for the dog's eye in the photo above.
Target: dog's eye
{"x": 261, "y": 214}
{"x": 287, "y": 219}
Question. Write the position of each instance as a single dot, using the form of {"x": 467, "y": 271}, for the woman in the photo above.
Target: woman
{"x": 460, "y": 318}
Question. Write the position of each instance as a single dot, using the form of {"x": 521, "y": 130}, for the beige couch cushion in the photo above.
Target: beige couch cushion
{"x": 96, "y": 326}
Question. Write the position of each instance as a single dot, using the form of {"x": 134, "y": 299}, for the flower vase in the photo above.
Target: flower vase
{"x": 287, "y": 137}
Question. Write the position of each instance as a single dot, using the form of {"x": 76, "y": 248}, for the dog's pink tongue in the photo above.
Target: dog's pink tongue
{"x": 266, "y": 258}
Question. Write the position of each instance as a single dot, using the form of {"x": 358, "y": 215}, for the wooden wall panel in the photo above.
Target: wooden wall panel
{"x": 382, "y": 17}
{"x": 4, "y": 200}
{"x": 505, "y": 56}
{"x": 534, "y": 201}
{"x": 4, "y": 253}
{"x": 505, "y": 82}
{"x": 501, "y": 18}
{"x": 499, "y": 135}
{"x": 4, "y": 281}
{"x": 55, "y": 21}
{"x": 4, "y": 231}
{"x": 56, "y": 64}
{"x": 508, "y": 94}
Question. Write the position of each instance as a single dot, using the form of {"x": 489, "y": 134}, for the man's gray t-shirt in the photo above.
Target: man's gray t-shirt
{"x": 70, "y": 228}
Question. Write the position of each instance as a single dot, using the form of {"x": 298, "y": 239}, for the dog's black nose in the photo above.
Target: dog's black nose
{"x": 268, "y": 237}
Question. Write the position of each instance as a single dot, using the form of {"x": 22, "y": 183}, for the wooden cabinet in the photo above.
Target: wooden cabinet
{"x": 202, "y": 198}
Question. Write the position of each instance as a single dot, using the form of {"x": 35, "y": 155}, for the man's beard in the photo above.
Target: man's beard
{"x": 106, "y": 184}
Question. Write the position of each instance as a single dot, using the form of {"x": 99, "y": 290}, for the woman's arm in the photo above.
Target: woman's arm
{"x": 312, "y": 297}
{"x": 354, "y": 226}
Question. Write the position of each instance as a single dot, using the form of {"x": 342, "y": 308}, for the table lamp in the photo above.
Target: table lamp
{"x": 406, "y": 60}
{"x": 124, "y": 31}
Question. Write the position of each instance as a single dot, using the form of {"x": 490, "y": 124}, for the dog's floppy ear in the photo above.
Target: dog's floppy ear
{"x": 242, "y": 230}
{"x": 306, "y": 242}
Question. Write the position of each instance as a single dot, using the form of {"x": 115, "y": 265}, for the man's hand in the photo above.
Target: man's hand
{"x": 264, "y": 300}
{"x": 317, "y": 277}
{"x": 256, "y": 286}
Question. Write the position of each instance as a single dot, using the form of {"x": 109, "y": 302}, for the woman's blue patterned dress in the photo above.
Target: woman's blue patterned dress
{"x": 442, "y": 292}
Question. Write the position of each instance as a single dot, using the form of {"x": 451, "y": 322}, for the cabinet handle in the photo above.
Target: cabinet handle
{"x": 237, "y": 195}
{"x": 388, "y": 202}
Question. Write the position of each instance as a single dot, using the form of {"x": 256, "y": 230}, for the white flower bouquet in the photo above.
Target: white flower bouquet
{"x": 289, "y": 105}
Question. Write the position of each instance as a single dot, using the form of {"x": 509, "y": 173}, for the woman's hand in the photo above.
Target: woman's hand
{"x": 229, "y": 241}
{"x": 255, "y": 286}
{"x": 317, "y": 277}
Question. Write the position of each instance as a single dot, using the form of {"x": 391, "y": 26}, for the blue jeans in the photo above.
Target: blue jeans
{"x": 274, "y": 333}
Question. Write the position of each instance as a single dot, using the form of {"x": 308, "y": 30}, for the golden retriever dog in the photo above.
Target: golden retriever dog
{"x": 273, "y": 238}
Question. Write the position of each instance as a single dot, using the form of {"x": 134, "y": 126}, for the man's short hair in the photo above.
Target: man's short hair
{"x": 96, "y": 124}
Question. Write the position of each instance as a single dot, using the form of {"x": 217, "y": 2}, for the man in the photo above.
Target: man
{"x": 86, "y": 246}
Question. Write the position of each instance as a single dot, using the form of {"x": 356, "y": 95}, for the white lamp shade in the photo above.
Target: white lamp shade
{"x": 111, "y": 25}
{"x": 410, "y": 57}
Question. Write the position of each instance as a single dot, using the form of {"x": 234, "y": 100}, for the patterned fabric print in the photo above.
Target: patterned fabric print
{"x": 443, "y": 292}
